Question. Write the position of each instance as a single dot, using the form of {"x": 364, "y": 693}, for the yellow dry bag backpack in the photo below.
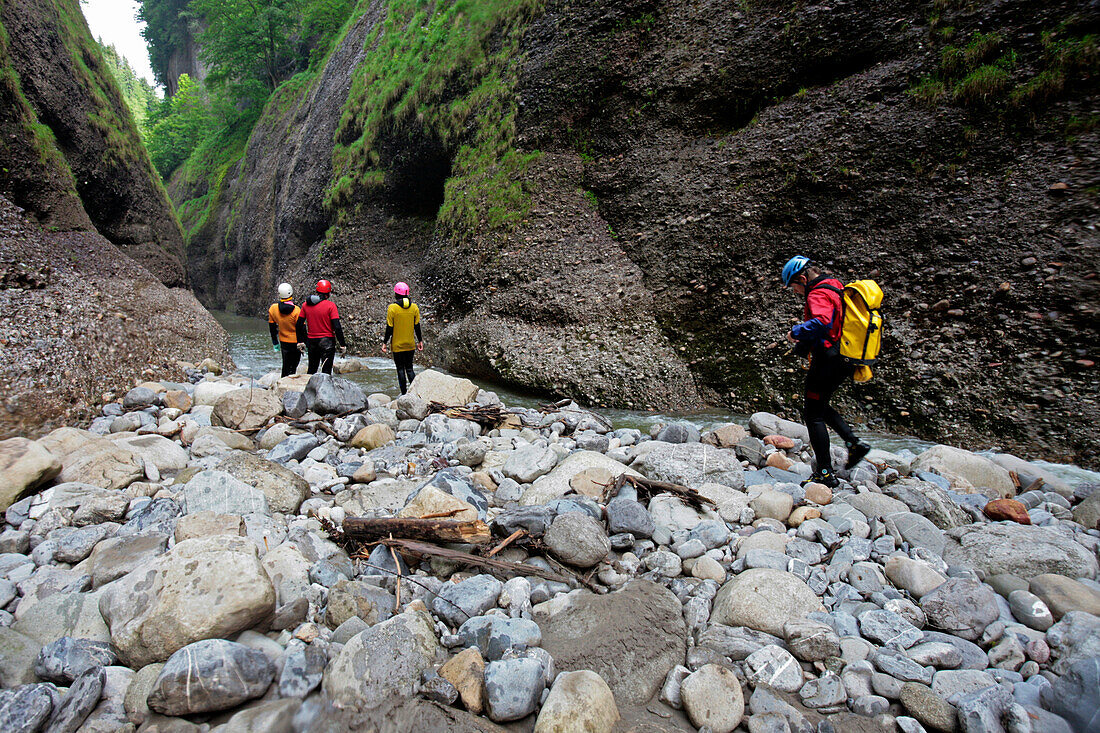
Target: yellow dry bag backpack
{"x": 861, "y": 326}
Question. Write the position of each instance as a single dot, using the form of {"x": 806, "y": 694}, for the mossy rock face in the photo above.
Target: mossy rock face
{"x": 51, "y": 65}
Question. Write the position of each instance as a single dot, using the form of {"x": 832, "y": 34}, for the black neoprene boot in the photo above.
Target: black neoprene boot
{"x": 856, "y": 453}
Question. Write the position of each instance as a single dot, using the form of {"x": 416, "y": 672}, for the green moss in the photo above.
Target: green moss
{"x": 448, "y": 68}
{"x": 19, "y": 107}
{"x": 930, "y": 89}
{"x": 984, "y": 84}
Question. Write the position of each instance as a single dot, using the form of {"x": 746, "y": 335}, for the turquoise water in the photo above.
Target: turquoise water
{"x": 250, "y": 347}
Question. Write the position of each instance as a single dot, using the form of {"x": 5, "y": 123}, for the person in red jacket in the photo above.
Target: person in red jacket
{"x": 816, "y": 337}
{"x": 322, "y": 323}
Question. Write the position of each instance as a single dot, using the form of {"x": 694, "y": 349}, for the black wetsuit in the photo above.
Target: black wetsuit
{"x": 403, "y": 360}
{"x": 827, "y": 372}
{"x": 320, "y": 316}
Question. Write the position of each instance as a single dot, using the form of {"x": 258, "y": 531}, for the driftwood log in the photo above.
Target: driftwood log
{"x": 650, "y": 488}
{"x": 363, "y": 529}
{"x": 501, "y": 568}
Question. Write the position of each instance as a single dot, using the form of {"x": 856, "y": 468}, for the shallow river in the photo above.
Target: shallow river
{"x": 250, "y": 347}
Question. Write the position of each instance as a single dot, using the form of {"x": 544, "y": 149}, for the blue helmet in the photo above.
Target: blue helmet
{"x": 794, "y": 265}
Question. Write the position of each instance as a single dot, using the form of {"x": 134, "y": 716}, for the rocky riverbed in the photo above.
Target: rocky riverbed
{"x": 177, "y": 566}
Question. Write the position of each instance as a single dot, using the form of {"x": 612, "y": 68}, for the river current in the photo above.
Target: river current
{"x": 250, "y": 347}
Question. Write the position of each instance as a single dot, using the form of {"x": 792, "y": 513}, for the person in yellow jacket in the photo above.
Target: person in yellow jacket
{"x": 403, "y": 333}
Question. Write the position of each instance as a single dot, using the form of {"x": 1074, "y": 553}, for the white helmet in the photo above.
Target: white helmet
{"x": 285, "y": 291}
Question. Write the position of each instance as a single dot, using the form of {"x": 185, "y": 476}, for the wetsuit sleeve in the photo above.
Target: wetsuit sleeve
{"x": 274, "y": 332}
{"x": 388, "y": 334}
{"x": 419, "y": 336}
{"x": 300, "y": 329}
{"x": 339, "y": 331}
{"x": 817, "y": 326}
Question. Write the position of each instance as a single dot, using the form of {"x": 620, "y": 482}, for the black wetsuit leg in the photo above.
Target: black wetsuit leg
{"x": 826, "y": 374}
{"x": 327, "y": 346}
{"x": 291, "y": 357}
{"x": 403, "y": 360}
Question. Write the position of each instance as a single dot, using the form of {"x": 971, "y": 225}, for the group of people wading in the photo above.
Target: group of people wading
{"x": 840, "y": 333}
{"x": 314, "y": 329}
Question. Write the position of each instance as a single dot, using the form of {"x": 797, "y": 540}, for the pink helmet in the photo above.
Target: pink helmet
{"x": 401, "y": 289}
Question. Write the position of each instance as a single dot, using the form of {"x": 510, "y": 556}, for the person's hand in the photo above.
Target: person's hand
{"x": 383, "y": 348}
{"x": 343, "y": 350}
{"x": 275, "y": 347}
{"x": 791, "y": 338}
{"x": 302, "y": 348}
{"x": 419, "y": 345}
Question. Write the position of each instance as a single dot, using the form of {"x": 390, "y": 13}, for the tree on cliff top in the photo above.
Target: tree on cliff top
{"x": 248, "y": 43}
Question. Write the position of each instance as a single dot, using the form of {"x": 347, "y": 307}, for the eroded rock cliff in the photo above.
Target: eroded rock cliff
{"x": 74, "y": 116}
{"x": 674, "y": 155}
{"x": 83, "y": 318}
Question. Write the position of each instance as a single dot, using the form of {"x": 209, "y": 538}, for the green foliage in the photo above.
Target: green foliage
{"x": 205, "y": 171}
{"x": 248, "y": 44}
{"x": 448, "y": 68}
{"x": 179, "y": 125}
{"x": 983, "y": 84}
{"x": 930, "y": 89}
{"x": 985, "y": 72}
{"x": 137, "y": 93}
{"x": 165, "y": 32}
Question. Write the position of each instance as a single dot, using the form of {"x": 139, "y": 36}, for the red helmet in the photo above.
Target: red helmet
{"x": 324, "y": 286}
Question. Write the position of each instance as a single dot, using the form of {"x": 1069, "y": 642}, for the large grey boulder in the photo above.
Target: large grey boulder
{"x": 295, "y": 447}
{"x": 64, "y": 660}
{"x": 93, "y": 459}
{"x": 1076, "y": 694}
{"x": 24, "y": 465}
{"x": 1007, "y": 547}
{"x": 1075, "y": 637}
{"x": 327, "y": 395}
{"x": 765, "y": 600}
{"x": 961, "y": 607}
{"x": 968, "y": 472}
{"x": 691, "y": 465}
{"x": 246, "y": 409}
{"x": 284, "y": 489}
{"x": 928, "y": 500}
{"x": 27, "y": 707}
{"x": 577, "y": 539}
{"x": 513, "y": 688}
{"x": 526, "y": 464}
{"x": 450, "y": 481}
{"x": 207, "y": 587}
{"x": 209, "y": 675}
{"x": 631, "y": 637}
{"x": 556, "y": 483}
{"x": 456, "y": 603}
{"x": 221, "y": 493}
{"x": 435, "y": 386}
{"x": 383, "y": 661}
{"x": 165, "y": 454}
{"x": 764, "y": 424}
{"x": 442, "y": 429}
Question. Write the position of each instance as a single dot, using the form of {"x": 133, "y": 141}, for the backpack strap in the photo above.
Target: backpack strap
{"x": 818, "y": 285}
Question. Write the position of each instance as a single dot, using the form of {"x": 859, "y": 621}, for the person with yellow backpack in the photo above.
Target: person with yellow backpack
{"x": 840, "y": 333}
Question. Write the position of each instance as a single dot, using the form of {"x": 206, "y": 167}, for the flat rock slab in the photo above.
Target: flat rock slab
{"x": 222, "y": 493}
{"x": 631, "y": 637}
{"x": 1019, "y": 550}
